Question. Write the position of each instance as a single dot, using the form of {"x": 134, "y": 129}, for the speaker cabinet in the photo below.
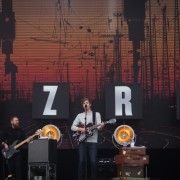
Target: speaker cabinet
{"x": 42, "y": 171}
{"x": 106, "y": 168}
{"x": 42, "y": 151}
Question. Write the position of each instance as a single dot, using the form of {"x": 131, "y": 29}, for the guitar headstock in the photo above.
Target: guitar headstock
{"x": 111, "y": 121}
{"x": 38, "y": 132}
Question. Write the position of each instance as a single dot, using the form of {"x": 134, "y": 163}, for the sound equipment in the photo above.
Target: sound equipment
{"x": 41, "y": 171}
{"x": 106, "y": 168}
{"x": 42, "y": 151}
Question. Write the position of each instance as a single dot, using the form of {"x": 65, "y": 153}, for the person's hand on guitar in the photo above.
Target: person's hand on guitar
{"x": 81, "y": 129}
{"x": 101, "y": 126}
{"x": 6, "y": 147}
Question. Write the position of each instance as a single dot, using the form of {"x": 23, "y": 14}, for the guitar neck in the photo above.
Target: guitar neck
{"x": 96, "y": 126}
{"x": 25, "y": 141}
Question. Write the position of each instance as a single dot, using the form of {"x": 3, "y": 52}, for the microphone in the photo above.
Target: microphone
{"x": 85, "y": 106}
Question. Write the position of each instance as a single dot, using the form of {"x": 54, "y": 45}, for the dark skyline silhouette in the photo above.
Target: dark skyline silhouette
{"x": 90, "y": 44}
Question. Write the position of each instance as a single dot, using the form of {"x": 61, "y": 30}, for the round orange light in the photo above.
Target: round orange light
{"x": 124, "y": 135}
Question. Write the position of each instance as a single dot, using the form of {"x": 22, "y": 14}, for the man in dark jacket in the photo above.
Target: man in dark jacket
{"x": 9, "y": 136}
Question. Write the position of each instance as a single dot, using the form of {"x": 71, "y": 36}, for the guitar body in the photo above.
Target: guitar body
{"x": 11, "y": 151}
{"x": 88, "y": 132}
{"x": 83, "y": 136}
{"x": 80, "y": 137}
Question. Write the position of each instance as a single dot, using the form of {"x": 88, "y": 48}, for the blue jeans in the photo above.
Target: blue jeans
{"x": 84, "y": 149}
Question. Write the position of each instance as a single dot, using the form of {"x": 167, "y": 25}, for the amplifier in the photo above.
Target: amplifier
{"x": 128, "y": 159}
{"x": 41, "y": 171}
{"x": 42, "y": 150}
{"x": 106, "y": 168}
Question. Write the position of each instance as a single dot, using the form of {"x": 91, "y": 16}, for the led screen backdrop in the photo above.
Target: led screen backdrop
{"x": 123, "y": 101}
{"x": 90, "y": 44}
{"x": 50, "y": 101}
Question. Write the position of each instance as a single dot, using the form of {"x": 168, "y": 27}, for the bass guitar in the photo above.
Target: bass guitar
{"x": 82, "y": 136}
{"x": 13, "y": 147}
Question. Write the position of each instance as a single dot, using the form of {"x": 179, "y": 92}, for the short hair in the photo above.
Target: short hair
{"x": 85, "y": 99}
{"x": 12, "y": 117}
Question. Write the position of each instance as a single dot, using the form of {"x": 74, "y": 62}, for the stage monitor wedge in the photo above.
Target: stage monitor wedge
{"x": 123, "y": 101}
{"x": 50, "y": 101}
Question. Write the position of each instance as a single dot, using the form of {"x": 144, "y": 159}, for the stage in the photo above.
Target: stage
{"x": 163, "y": 164}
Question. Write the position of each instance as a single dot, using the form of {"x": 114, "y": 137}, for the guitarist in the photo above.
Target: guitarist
{"x": 89, "y": 145}
{"x": 11, "y": 134}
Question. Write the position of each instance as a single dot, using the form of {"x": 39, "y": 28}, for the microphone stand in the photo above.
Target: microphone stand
{"x": 85, "y": 118}
{"x": 85, "y": 132}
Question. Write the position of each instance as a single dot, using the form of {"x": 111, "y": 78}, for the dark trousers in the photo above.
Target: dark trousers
{"x": 84, "y": 149}
{"x": 15, "y": 166}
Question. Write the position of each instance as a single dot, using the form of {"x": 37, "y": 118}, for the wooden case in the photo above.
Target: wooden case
{"x": 133, "y": 151}
{"x": 132, "y": 159}
{"x": 130, "y": 171}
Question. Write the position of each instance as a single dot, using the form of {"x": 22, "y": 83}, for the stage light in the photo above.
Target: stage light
{"x": 124, "y": 135}
{"x": 51, "y": 132}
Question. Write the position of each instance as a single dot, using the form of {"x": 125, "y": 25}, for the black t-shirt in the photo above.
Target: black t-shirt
{"x": 1, "y": 146}
{"x": 12, "y": 134}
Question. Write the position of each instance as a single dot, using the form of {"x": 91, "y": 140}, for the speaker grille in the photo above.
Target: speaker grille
{"x": 42, "y": 150}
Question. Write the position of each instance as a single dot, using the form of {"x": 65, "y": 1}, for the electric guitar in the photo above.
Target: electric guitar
{"x": 82, "y": 136}
{"x": 13, "y": 147}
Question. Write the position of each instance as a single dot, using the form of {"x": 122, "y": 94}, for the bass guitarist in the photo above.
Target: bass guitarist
{"x": 11, "y": 134}
{"x": 89, "y": 143}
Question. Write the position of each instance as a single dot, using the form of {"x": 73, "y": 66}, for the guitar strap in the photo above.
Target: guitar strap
{"x": 94, "y": 118}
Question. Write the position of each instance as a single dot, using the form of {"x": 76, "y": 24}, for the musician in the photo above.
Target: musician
{"x": 11, "y": 134}
{"x": 89, "y": 145}
{"x": 2, "y": 144}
